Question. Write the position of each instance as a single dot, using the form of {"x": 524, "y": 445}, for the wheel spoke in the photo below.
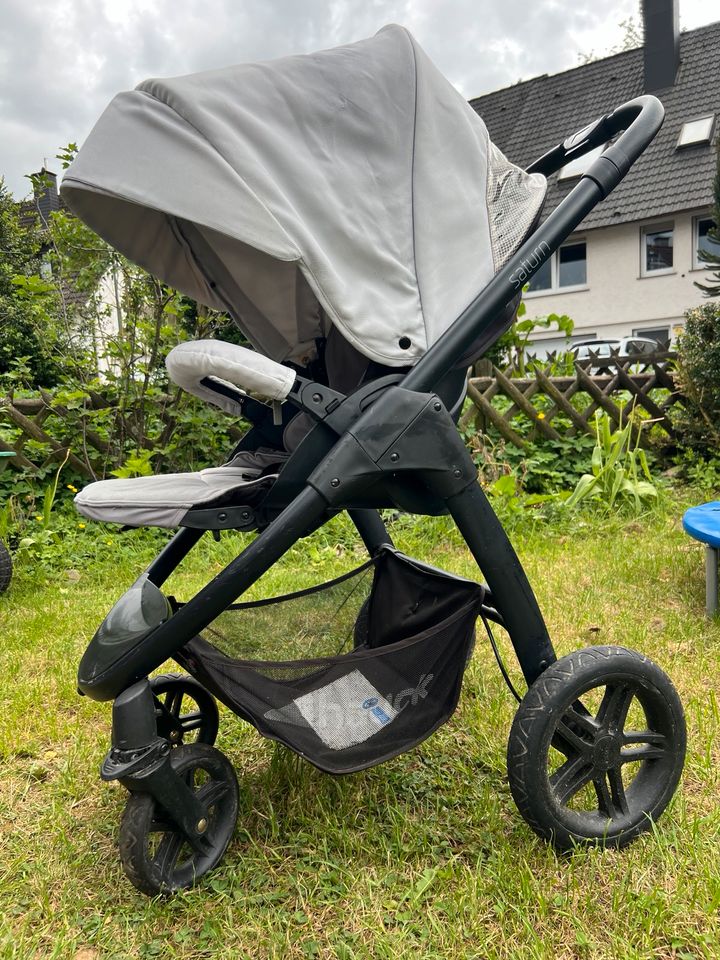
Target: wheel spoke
{"x": 645, "y": 736}
{"x": 191, "y": 721}
{"x": 210, "y": 793}
{"x": 604, "y": 799}
{"x": 614, "y": 706}
{"x": 641, "y": 753}
{"x": 570, "y": 778}
{"x": 174, "y": 702}
{"x": 568, "y": 741}
{"x": 168, "y": 851}
{"x": 617, "y": 790}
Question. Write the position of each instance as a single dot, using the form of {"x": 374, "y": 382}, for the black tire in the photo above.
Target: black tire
{"x": 5, "y": 567}
{"x": 577, "y": 775}
{"x": 154, "y": 854}
{"x": 185, "y": 711}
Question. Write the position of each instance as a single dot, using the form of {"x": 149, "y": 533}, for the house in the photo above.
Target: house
{"x": 630, "y": 269}
{"x": 95, "y": 319}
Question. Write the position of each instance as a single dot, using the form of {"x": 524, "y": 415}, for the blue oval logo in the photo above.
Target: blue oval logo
{"x": 370, "y": 702}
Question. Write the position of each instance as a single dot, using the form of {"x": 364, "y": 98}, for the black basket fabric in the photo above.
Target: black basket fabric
{"x": 388, "y": 646}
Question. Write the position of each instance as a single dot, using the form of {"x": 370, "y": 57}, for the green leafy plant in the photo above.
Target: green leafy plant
{"x": 697, "y": 421}
{"x": 138, "y": 465}
{"x": 620, "y": 475}
{"x": 700, "y": 471}
{"x": 512, "y": 348}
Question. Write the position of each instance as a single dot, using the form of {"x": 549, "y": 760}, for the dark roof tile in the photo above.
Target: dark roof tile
{"x": 529, "y": 118}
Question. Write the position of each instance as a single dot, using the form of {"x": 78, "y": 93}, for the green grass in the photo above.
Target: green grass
{"x": 425, "y": 856}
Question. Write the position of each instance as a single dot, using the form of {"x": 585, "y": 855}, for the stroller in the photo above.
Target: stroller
{"x": 349, "y": 211}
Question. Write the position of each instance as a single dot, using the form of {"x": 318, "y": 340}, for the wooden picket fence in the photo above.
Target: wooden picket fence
{"x": 40, "y": 418}
{"x": 575, "y": 398}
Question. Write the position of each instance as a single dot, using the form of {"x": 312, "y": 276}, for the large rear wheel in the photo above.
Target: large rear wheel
{"x": 5, "y": 567}
{"x": 596, "y": 748}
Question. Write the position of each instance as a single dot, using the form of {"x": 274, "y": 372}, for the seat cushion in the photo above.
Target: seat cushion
{"x": 164, "y": 500}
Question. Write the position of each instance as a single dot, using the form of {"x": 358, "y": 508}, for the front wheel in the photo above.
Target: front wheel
{"x": 154, "y": 852}
{"x": 596, "y": 748}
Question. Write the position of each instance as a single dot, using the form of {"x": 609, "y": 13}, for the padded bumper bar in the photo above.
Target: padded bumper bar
{"x": 214, "y": 370}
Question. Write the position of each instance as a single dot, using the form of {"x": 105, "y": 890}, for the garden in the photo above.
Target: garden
{"x": 425, "y": 855}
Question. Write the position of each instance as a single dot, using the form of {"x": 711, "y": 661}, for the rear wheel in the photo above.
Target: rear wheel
{"x": 596, "y": 748}
{"x": 154, "y": 852}
{"x": 5, "y": 567}
{"x": 184, "y": 710}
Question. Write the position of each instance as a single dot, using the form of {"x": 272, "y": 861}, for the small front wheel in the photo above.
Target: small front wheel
{"x": 596, "y": 748}
{"x": 154, "y": 852}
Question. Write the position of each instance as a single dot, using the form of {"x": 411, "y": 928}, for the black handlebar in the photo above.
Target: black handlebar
{"x": 482, "y": 321}
{"x": 637, "y": 121}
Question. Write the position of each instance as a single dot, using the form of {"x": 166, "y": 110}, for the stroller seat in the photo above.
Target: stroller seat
{"x": 182, "y": 499}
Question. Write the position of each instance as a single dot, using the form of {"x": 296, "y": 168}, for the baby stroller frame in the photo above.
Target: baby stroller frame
{"x": 422, "y": 464}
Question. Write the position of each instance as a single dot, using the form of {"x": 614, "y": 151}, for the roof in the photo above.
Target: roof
{"x": 529, "y": 118}
{"x": 31, "y": 218}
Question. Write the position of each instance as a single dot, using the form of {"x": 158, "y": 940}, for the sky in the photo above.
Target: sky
{"x": 62, "y": 61}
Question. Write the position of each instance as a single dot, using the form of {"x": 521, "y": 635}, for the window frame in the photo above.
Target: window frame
{"x": 661, "y": 226}
{"x": 643, "y": 334}
{"x": 698, "y": 264}
{"x": 694, "y": 143}
{"x": 554, "y": 289}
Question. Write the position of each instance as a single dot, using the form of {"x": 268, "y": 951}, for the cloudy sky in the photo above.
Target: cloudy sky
{"x": 61, "y": 61}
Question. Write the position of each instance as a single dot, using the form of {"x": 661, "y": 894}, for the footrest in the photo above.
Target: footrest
{"x": 168, "y": 500}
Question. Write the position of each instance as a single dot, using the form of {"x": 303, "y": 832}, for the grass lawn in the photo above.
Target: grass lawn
{"x": 425, "y": 856}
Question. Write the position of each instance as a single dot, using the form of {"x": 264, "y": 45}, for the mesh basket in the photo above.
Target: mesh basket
{"x": 349, "y": 673}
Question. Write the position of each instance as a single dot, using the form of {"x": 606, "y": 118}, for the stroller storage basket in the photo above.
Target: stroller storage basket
{"x": 407, "y": 628}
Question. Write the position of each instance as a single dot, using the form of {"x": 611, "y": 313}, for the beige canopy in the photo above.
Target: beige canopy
{"x": 354, "y": 186}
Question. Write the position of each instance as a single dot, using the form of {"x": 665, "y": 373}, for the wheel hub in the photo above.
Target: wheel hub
{"x": 606, "y": 752}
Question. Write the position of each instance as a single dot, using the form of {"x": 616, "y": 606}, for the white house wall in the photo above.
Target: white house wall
{"x": 617, "y": 301}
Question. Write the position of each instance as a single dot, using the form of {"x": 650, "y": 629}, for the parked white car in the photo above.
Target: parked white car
{"x": 597, "y": 350}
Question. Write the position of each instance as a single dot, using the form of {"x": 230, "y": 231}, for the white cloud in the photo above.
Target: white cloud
{"x": 61, "y": 61}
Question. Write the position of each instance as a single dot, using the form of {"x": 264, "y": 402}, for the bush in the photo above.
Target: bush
{"x": 698, "y": 377}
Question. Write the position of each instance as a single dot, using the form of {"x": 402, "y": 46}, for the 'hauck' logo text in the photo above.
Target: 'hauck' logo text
{"x": 538, "y": 256}
{"x": 411, "y": 695}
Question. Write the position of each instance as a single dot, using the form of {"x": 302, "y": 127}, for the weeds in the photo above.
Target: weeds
{"x": 620, "y": 472}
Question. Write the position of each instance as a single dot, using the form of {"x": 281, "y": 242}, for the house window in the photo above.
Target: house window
{"x": 696, "y": 131}
{"x": 580, "y": 165}
{"x": 661, "y": 335}
{"x": 565, "y": 269}
{"x": 657, "y": 249}
{"x": 703, "y": 243}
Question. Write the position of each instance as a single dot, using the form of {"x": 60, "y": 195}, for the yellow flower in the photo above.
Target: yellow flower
{"x": 38, "y": 517}
{"x": 82, "y": 526}
{"x": 72, "y": 488}
{"x": 540, "y": 415}
{"x": 109, "y": 542}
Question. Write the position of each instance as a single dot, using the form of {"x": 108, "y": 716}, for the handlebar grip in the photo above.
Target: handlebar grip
{"x": 639, "y": 120}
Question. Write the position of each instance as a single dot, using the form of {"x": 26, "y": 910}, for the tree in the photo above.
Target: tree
{"x": 22, "y": 291}
{"x": 709, "y": 257}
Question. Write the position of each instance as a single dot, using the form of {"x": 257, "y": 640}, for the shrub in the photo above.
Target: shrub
{"x": 698, "y": 377}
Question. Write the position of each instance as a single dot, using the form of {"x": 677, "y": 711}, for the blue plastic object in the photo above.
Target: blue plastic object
{"x": 703, "y": 523}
